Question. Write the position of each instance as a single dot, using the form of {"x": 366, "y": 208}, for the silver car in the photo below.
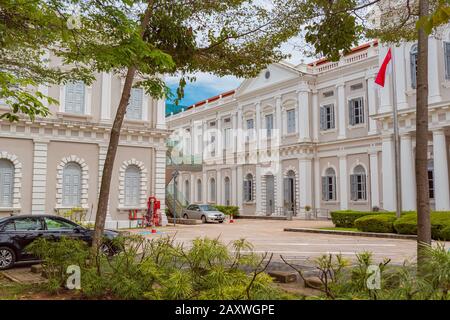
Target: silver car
{"x": 204, "y": 212}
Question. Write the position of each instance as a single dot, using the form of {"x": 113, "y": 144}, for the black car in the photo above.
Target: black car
{"x": 16, "y": 232}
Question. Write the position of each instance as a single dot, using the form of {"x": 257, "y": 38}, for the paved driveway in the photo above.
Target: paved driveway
{"x": 269, "y": 236}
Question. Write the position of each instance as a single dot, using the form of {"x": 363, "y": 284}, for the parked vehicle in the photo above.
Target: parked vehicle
{"x": 16, "y": 232}
{"x": 204, "y": 212}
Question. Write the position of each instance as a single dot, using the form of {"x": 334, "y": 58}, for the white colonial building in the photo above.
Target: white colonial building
{"x": 56, "y": 163}
{"x": 318, "y": 136}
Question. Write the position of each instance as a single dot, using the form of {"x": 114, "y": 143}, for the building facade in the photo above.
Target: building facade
{"x": 56, "y": 163}
{"x": 318, "y": 136}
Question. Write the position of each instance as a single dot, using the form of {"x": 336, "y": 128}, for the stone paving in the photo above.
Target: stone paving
{"x": 268, "y": 236}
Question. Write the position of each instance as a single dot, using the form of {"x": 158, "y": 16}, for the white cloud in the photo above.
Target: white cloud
{"x": 209, "y": 80}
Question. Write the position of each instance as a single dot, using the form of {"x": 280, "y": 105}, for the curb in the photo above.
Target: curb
{"x": 354, "y": 234}
{"x": 261, "y": 217}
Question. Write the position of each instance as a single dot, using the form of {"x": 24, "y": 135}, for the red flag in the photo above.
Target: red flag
{"x": 381, "y": 76}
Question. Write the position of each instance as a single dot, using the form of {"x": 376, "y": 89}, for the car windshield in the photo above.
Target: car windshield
{"x": 207, "y": 207}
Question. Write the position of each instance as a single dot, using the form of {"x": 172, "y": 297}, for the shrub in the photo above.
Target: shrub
{"x": 228, "y": 210}
{"x": 440, "y": 224}
{"x": 376, "y": 223}
{"x": 346, "y": 218}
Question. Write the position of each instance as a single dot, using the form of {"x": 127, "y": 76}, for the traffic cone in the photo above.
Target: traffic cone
{"x": 153, "y": 228}
{"x": 231, "y": 219}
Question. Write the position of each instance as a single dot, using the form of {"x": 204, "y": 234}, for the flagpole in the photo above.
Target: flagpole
{"x": 398, "y": 183}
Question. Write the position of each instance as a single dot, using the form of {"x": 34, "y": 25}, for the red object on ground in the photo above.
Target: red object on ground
{"x": 231, "y": 219}
{"x": 381, "y": 76}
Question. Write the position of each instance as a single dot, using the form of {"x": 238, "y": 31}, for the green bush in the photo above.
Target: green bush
{"x": 228, "y": 210}
{"x": 440, "y": 224}
{"x": 346, "y": 218}
{"x": 376, "y": 223}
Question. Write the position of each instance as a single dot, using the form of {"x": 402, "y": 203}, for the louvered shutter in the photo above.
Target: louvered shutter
{"x": 354, "y": 187}
{"x": 413, "y": 64}
{"x": 286, "y": 191}
{"x": 363, "y": 187}
{"x": 246, "y": 190}
{"x": 325, "y": 189}
{"x": 323, "y": 118}
{"x": 447, "y": 60}
{"x": 333, "y": 185}
{"x": 351, "y": 109}
{"x": 134, "y": 109}
{"x": 333, "y": 124}
{"x": 75, "y": 96}
{"x": 361, "y": 103}
{"x": 132, "y": 186}
{"x": 6, "y": 183}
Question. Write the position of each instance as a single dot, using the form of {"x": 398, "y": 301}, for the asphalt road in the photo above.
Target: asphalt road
{"x": 268, "y": 236}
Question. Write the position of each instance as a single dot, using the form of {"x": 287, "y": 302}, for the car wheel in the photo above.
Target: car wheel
{"x": 204, "y": 219}
{"x": 7, "y": 258}
{"x": 185, "y": 216}
{"x": 221, "y": 221}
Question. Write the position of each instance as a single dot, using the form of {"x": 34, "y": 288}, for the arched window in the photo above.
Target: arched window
{"x": 329, "y": 185}
{"x": 248, "y": 188}
{"x": 6, "y": 183}
{"x": 71, "y": 192}
{"x": 212, "y": 190}
{"x": 358, "y": 183}
{"x": 227, "y": 191}
{"x": 199, "y": 190}
{"x": 431, "y": 178}
{"x": 132, "y": 186}
{"x": 74, "y": 97}
{"x": 413, "y": 63}
{"x": 187, "y": 190}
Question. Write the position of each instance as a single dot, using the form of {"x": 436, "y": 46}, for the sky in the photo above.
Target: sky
{"x": 208, "y": 85}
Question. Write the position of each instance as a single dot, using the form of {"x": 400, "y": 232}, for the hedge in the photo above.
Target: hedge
{"x": 228, "y": 210}
{"x": 346, "y": 218}
{"x": 440, "y": 225}
{"x": 383, "y": 223}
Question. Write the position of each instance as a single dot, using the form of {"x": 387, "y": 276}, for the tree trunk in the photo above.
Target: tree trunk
{"x": 103, "y": 197}
{"x": 423, "y": 201}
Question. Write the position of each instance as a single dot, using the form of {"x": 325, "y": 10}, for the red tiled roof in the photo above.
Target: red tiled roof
{"x": 353, "y": 50}
{"x": 217, "y": 97}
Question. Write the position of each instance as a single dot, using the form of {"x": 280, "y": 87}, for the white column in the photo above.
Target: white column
{"x": 385, "y": 94}
{"x": 161, "y": 114}
{"x": 343, "y": 178}
{"x": 219, "y": 186}
{"x": 315, "y": 115}
{"x": 305, "y": 182}
{"x": 234, "y": 185}
{"x": 387, "y": 153}
{"x": 303, "y": 114}
{"x": 400, "y": 76}
{"x": 239, "y": 186}
{"x": 317, "y": 183}
{"x": 219, "y": 140}
{"x": 341, "y": 110}
{"x": 441, "y": 182}
{"x": 39, "y": 182}
{"x": 434, "y": 48}
{"x": 258, "y": 182}
{"x": 374, "y": 185}
{"x": 160, "y": 177}
{"x": 105, "y": 114}
{"x": 279, "y": 126}
{"x": 371, "y": 102}
{"x": 192, "y": 185}
{"x": 240, "y": 138}
{"x": 408, "y": 175}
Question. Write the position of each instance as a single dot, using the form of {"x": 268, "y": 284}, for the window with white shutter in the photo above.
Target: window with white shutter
{"x": 187, "y": 190}
{"x": 74, "y": 97}
{"x": 6, "y": 183}
{"x": 329, "y": 185}
{"x": 290, "y": 121}
{"x": 71, "y": 192}
{"x": 327, "y": 117}
{"x": 134, "y": 109}
{"x": 269, "y": 124}
{"x": 132, "y": 190}
{"x": 250, "y": 129}
{"x": 447, "y": 59}
{"x": 248, "y": 188}
{"x": 356, "y": 111}
{"x": 227, "y": 191}
{"x": 358, "y": 184}
{"x": 413, "y": 65}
